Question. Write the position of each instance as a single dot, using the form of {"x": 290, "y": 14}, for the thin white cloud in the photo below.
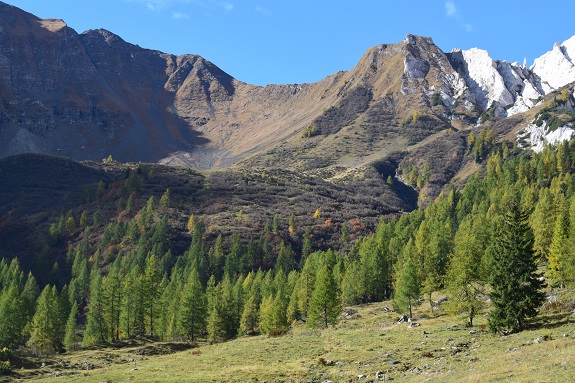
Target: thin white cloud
{"x": 451, "y": 11}
{"x": 225, "y": 5}
{"x": 157, "y": 5}
{"x": 179, "y": 16}
{"x": 450, "y": 8}
{"x": 263, "y": 11}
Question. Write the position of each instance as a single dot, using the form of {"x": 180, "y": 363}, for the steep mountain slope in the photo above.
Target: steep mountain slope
{"x": 90, "y": 95}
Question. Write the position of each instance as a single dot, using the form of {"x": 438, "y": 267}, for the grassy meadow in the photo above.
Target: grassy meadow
{"x": 438, "y": 349}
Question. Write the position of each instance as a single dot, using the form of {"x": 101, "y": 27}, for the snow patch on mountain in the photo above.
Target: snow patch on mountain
{"x": 539, "y": 136}
{"x": 556, "y": 68}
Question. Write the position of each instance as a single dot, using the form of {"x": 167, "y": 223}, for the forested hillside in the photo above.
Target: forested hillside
{"x": 124, "y": 276}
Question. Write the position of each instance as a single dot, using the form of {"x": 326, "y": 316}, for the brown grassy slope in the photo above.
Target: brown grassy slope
{"x": 357, "y": 114}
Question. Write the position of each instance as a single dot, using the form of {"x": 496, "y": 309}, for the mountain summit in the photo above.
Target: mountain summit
{"x": 90, "y": 95}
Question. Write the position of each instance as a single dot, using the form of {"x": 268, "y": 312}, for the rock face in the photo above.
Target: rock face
{"x": 507, "y": 87}
{"x": 556, "y": 68}
{"x": 91, "y": 95}
{"x": 83, "y": 96}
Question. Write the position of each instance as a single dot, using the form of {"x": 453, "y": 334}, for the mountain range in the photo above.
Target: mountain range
{"x": 91, "y": 95}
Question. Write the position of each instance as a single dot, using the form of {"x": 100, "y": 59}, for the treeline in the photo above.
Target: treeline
{"x": 485, "y": 239}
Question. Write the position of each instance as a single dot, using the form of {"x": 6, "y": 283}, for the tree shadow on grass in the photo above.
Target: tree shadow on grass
{"x": 551, "y": 321}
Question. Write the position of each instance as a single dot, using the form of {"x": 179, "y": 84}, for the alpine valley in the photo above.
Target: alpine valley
{"x": 147, "y": 197}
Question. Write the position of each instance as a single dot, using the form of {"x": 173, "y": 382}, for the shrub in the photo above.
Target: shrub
{"x": 436, "y": 99}
{"x": 5, "y": 353}
{"x": 277, "y": 332}
{"x": 5, "y": 368}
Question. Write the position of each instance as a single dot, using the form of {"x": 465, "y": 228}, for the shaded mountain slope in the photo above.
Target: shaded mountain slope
{"x": 91, "y": 95}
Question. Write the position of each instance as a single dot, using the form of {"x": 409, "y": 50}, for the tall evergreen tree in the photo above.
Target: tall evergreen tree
{"x": 374, "y": 269}
{"x": 152, "y": 280}
{"x": 217, "y": 258}
{"x": 45, "y": 328}
{"x": 70, "y": 337}
{"x": 353, "y": 289}
{"x": 285, "y": 261}
{"x": 215, "y": 326}
{"x": 466, "y": 276}
{"x": 13, "y": 317}
{"x": 112, "y": 300}
{"x": 324, "y": 306}
{"x": 193, "y": 309}
{"x": 307, "y": 246}
{"x": 233, "y": 262}
{"x": 516, "y": 288}
{"x": 542, "y": 222}
{"x": 559, "y": 250}
{"x": 407, "y": 287}
{"x": 95, "y": 324}
{"x": 250, "y": 317}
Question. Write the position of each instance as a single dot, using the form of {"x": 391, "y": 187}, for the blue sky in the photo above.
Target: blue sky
{"x": 265, "y": 41}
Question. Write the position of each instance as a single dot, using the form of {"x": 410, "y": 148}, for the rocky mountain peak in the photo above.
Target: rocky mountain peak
{"x": 109, "y": 37}
{"x": 93, "y": 94}
{"x": 556, "y": 67}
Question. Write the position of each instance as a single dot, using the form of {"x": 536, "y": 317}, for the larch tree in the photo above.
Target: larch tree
{"x": 559, "y": 250}
{"x": 45, "y": 325}
{"x": 467, "y": 274}
{"x": 285, "y": 261}
{"x": 192, "y": 313}
{"x": 407, "y": 287}
{"x": 542, "y": 223}
{"x": 13, "y": 314}
{"x": 152, "y": 281}
{"x": 70, "y": 337}
{"x": 324, "y": 305}
{"x": 353, "y": 286}
{"x": 95, "y": 324}
{"x": 250, "y": 317}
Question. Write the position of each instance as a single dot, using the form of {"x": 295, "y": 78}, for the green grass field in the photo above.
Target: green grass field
{"x": 440, "y": 349}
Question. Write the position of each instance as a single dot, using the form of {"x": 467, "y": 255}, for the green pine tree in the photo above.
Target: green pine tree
{"x": 13, "y": 317}
{"x": 250, "y": 317}
{"x": 70, "y": 337}
{"x": 466, "y": 276}
{"x": 152, "y": 280}
{"x": 216, "y": 327}
{"x": 45, "y": 325}
{"x": 353, "y": 285}
{"x": 324, "y": 306}
{"x": 516, "y": 288}
{"x": 165, "y": 199}
{"x": 95, "y": 331}
{"x": 193, "y": 308}
{"x": 285, "y": 261}
{"x": 407, "y": 288}
{"x": 559, "y": 250}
